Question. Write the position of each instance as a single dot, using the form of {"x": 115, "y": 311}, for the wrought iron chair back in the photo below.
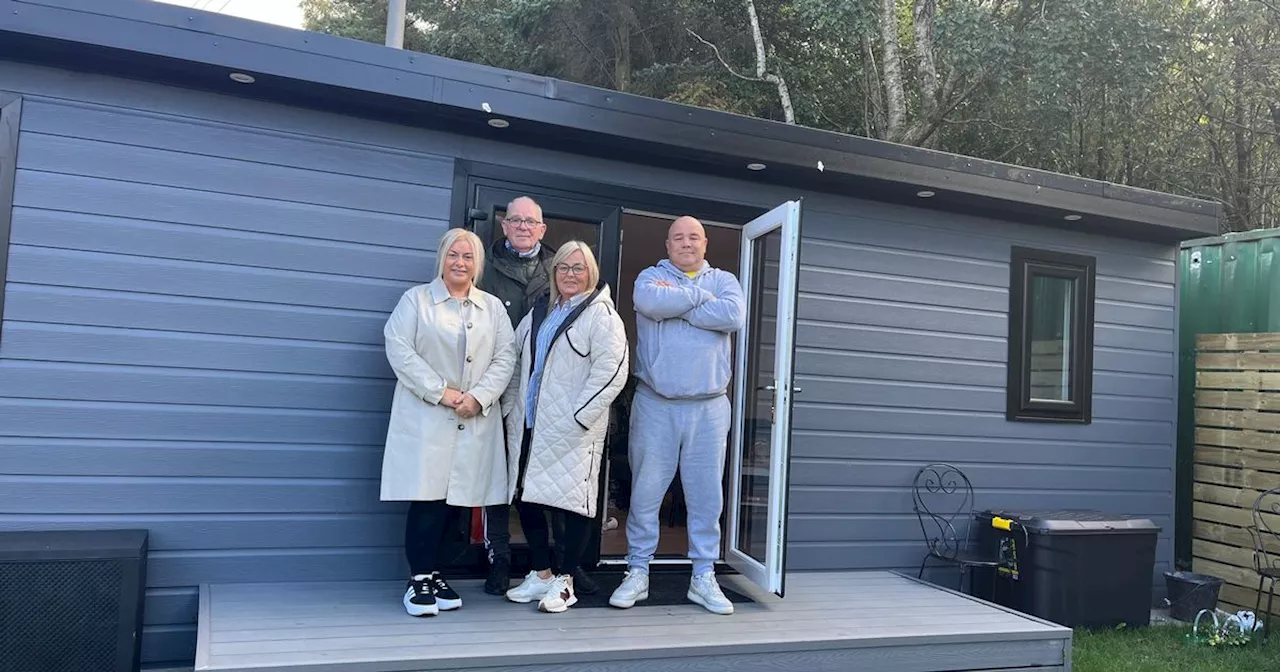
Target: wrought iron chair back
{"x": 1266, "y": 531}
{"x": 942, "y": 496}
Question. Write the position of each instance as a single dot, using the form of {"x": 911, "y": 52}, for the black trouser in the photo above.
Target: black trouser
{"x": 572, "y": 529}
{"x": 497, "y": 518}
{"x": 533, "y": 518}
{"x": 424, "y": 531}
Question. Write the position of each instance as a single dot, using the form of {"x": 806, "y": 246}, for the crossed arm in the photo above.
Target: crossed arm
{"x": 723, "y": 309}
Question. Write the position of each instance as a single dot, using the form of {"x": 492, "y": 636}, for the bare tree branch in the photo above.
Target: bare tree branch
{"x": 784, "y": 96}
{"x": 762, "y": 72}
{"x": 723, "y": 62}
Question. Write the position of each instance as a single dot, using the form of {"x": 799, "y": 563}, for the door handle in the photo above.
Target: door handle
{"x": 771, "y": 388}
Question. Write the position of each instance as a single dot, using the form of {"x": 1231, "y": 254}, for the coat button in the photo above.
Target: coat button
{"x": 468, "y": 358}
{"x": 468, "y": 325}
{"x": 461, "y": 426}
{"x": 508, "y": 303}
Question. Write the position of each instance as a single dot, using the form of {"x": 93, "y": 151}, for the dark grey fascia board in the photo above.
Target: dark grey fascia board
{"x": 170, "y": 32}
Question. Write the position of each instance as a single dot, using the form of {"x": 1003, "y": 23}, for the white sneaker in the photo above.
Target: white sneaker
{"x": 559, "y": 597}
{"x": 635, "y": 587}
{"x": 532, "y": 588}
{"x": 705, "y": 590}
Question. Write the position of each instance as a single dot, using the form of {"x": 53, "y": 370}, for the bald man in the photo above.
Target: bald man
{"x": 686, "y": 313}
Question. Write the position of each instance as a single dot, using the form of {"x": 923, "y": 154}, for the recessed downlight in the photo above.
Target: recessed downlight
{"x": 1072, "y": 218}
{"x": 242, "y": 77}
{"x": 755, "y": 166}
{"x": 925, "y": 194}
{"x": 499, "y": 123}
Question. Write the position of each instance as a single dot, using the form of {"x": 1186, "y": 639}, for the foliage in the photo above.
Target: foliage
{"x": 1163, "y": 648}
{"x": 1173, "y": 95}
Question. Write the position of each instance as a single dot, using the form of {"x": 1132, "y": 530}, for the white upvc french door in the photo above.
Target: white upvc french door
{"x": 760, "y": 447}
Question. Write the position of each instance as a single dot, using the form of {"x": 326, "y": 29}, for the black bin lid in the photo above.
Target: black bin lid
{"x": 1075, "y": 521}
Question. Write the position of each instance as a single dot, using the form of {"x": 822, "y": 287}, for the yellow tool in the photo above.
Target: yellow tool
{"x": 1001, "y": 523}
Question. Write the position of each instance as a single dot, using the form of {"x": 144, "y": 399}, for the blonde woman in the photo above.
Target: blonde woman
{"x": 452, "y": 348}
{"x": 572, "y": 365}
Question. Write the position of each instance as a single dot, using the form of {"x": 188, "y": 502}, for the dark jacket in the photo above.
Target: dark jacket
{"x": 515, "y": 281}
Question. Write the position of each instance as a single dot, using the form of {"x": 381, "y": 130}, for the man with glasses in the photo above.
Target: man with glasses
{"x": 517, "y": 271}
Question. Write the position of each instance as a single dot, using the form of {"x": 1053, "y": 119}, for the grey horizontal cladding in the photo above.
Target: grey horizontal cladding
{"x": 96, "y": 270}
{"x": 280, "y": 565}
{"x": 39, "y": 456}
{"x": 901, "y": 228}
{"x": 46, "y": 495}
{"x": 149, "y": 202}
{"x": 81, "y": 382}
{"x": 907, "y": 444}
{"x": 900, "y": 287}
{"x": 825, "y": 284}
{"x": 812, "y": 529}
{"x": 182, "y": 242}
{"x": 131, "y": 347}
{"x": 210, "y": 532}
{"x": 71, "y": 306}
{"x": 877, "y": 473}
{"x": 917, "y": 312}
{"x": 880, "y": 555}
{"x": 896, "y": 499}
{"x": 77, "y": 419}
{"x": 921, "y": 343}
{"x": 946, "y": 397}
{"x": 835, "y": 417}
{"x": 89, "y": 158}
{"x": 201, "y": 137}
{"x": 169, "y": 606}
{"x": 877, "y": 366}
{"x": 168, "y": 643}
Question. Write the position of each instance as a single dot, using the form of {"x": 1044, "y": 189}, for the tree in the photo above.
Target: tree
{"x": 1174, "y": 95}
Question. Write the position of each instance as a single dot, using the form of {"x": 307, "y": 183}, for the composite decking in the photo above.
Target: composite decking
{"x": 828, "y": 621}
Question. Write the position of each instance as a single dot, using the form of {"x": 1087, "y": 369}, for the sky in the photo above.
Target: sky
{"x": 279, "y": 12}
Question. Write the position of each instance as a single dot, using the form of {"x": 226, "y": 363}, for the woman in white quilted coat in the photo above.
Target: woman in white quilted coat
{"x": 572, "y": 365}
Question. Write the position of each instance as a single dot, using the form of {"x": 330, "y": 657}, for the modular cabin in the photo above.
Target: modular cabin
{"x": 206, "y": 221}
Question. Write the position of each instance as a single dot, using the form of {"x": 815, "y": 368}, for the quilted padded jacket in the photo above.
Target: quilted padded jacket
{"x": 586, "y": 368}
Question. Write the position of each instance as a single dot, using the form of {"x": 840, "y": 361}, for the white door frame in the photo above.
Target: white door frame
{"x": 770, "y": 573}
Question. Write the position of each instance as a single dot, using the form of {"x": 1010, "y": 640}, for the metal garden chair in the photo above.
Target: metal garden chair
{"x": 941, "y": 495}
{"x": 1266, "y": 551}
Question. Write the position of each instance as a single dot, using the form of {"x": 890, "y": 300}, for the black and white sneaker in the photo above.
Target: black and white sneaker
{"x": 446, "y": 597}
{"x": 420, "y": 596}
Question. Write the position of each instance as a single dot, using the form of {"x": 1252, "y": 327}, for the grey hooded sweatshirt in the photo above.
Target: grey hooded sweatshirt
{"x": 683, "y": 332}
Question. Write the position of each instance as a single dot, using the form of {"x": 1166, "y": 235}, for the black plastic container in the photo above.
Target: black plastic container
{"x": 1190, "y": 592}
{"x": 1078, "y": 568}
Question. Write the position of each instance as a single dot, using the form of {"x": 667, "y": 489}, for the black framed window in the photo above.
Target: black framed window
{"x": 1051, "y": 297}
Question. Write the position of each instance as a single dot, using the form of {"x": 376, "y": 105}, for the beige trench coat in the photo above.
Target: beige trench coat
{"x": 431, "y": 453}
{"x": 585, "y": 371}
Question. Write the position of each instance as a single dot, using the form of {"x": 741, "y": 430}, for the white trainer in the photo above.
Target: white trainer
{"x": 635, "y": 587}
{"x": 532, "y": 588}
{"x": 559, "y": 597}
{"x": 705, "y": 590}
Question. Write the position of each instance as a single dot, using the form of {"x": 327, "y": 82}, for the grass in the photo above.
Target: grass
{"x": 1166, "y": 648}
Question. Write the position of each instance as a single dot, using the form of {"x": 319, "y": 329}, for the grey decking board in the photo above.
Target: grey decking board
{"x": 823, "y": 623}
{"x": 923, "y": 658}
{"x": 790, "y": 629}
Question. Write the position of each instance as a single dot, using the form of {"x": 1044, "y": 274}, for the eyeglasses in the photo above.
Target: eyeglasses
{"x": 522, "y": 222}
{"x": 565, "y": 269}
